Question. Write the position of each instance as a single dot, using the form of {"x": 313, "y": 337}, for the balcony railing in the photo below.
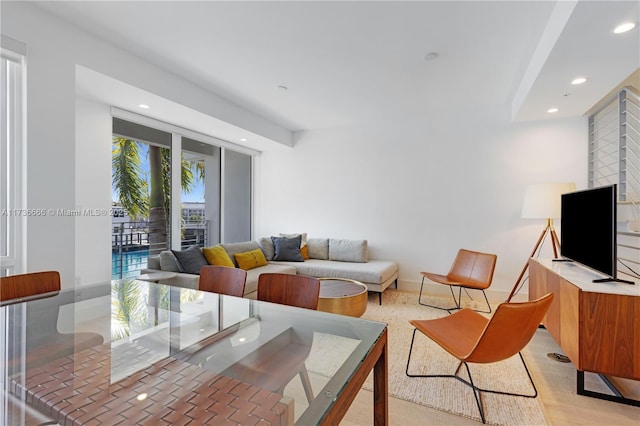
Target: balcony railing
{"x": 131, "y": 244}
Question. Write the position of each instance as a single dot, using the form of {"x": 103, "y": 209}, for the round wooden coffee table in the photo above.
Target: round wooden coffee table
{"x": 342, "y": 296}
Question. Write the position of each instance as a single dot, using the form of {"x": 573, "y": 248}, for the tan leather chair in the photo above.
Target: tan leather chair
{"x": 49, "y": 343}
{"x": 470, "y": 270}
{"x": 27, "y": 285}
{"x": 293, "y": 290}
{"x": 222, "y": 280}
{"x": 474, "y": 338}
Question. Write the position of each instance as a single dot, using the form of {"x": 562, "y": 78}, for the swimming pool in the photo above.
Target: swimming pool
{"x": 130, "y": 265}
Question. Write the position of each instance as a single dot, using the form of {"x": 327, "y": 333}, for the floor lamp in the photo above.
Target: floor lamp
{"x": 542, "y": 201}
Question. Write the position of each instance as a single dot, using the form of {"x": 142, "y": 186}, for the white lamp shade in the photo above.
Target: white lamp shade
{"x": 542, "y": 201}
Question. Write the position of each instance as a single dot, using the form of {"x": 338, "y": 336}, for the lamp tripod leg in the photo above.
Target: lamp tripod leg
{"x": 526, "y": 265}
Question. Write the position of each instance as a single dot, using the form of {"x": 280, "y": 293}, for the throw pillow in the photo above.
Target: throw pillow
{"x": 304, "y": 251}
{"x": 241, "y": 247}
{"x": 190, "y": 260}
{"x": 250, "y": 259}
{"x": 303, "y": 243}
{"x": 217, "y": 255}
{"x": 287, "y": 249}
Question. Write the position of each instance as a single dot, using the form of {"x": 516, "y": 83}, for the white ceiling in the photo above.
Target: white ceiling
{"x": 362, "y": 61}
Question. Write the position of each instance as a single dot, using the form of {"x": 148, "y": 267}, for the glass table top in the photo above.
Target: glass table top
{"x": 143, "y": 351}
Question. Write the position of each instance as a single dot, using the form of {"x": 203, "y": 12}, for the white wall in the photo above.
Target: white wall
{"x": 93, "y": 192}
{"x": 418, "y": 190}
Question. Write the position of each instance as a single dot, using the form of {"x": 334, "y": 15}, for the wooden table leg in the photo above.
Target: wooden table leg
{"x": 381, "y": 387}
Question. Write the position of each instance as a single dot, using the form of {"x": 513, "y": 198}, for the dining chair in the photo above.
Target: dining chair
{"x": 222, "y": 280}
{"x": 473, "y": 338}
{"x": 294, "y": 290}
{"x": 47, "y": 343}
{"x": 27, "y": 285}
{"x": 471, "y": 270}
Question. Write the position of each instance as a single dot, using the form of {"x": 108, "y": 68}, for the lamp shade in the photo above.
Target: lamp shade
{"x": 543, "y": 201}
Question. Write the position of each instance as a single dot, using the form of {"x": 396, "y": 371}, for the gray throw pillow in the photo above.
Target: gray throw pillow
{"x": 267, "y": 247}
{"x": 190, "y": 260}
{"x": 287, "y": 249}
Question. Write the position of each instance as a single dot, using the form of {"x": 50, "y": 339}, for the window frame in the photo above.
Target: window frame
{"x": 13, "y": 167}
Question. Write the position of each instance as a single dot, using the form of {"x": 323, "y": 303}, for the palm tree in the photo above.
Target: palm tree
{"x": 152, "y": 201}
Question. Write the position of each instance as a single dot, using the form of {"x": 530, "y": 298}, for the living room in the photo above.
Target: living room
{"x": 418, "y": 178}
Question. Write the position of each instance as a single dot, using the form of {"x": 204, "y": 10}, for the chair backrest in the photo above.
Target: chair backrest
{"x": 31, "y": 284}
{"x": 473, "y": 268}
{"x": 509, "y": 330}
{"x": 294, "y": 290}
{"x": 222, "y": 280}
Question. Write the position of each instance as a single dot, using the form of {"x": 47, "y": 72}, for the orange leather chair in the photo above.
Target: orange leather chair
{"x": 293, "y": 290}
{"x": 222, "y": 280}
{"x": 474, "y": 338}
{"x": 27, "y": 285}
{"x": 48, "y": 344}
{"x": 470, "y": 270}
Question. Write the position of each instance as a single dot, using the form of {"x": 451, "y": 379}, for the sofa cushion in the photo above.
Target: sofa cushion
{"x": 267, "y": 247}
{"x": 318, "y": 248}
{"x": 168, "y": 261}
{"x": 371, "y": 272}
{"x": 153, "y": 262}
{"x": 250, "y": 259}
{"x": 348, "y": 250}
{"x": 190, "y": 260}
{"x": 233, "y": 248}
{"x": 217, "y": 255}
{"x": 287, "y": 249}
{"x": 251, "y": 286}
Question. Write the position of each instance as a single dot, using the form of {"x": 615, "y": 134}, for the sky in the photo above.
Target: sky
{"x": 195, "y": 195}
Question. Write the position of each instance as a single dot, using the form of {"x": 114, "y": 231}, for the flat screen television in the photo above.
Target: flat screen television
{"x": 588, "y": 229}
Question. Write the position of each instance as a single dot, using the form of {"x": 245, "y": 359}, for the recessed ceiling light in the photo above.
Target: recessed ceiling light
{"x": 578, "y": 80}
{"x": 243, "y": 139}
{"x": 144, "y": 106}
{"x": 431, "y": 56}
{"x": 552, "y": 110}
{"x": 623, "y": 28}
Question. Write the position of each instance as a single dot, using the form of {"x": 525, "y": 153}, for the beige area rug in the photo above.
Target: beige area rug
{"x": 445, "y": 394}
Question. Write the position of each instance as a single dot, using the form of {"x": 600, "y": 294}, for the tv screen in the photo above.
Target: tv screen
{"x": 588, "y": 228}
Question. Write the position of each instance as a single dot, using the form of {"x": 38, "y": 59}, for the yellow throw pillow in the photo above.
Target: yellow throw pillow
{"x": 250, "y": 259}
{"x": 304, "y": 251}
{"x": 217, "y": 255}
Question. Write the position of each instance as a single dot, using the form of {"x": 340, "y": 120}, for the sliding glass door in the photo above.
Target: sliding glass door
{"x": 214, "y": 196}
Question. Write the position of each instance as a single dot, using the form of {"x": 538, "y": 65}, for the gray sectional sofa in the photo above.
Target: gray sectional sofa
{"x": 324, "y": 257}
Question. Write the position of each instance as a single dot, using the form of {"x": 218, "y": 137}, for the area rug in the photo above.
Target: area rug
{"x": 445, "y": 394}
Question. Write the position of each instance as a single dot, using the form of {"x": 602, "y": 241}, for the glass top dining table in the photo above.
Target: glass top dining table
{"x": 137, "y": 352}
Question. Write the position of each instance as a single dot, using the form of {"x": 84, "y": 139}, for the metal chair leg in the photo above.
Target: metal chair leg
{"x": 476, "y": 390}
{"x": 438, "y": 307}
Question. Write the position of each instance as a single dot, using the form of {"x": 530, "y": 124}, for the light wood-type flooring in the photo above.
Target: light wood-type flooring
{"x": 556, "y": 383}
